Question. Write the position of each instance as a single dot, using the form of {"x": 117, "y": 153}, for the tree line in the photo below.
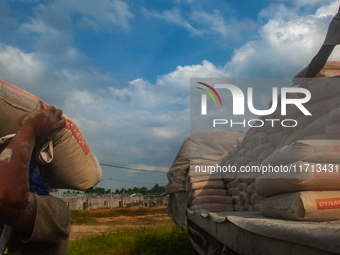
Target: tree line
{"x": 141, "y": 190}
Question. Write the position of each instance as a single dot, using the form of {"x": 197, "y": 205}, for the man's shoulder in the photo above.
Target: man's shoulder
{"x": 51, "y": 229}
{"x": 50, "y": 206}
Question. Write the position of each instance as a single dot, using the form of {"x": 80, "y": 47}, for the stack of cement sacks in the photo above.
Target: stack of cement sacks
{"x": 306, "y": 185}
{"x": 249, "y": 152}
{"x": 206, "y": 188}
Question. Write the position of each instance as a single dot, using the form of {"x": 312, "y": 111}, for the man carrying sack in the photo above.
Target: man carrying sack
{"x": 34, "y": 224}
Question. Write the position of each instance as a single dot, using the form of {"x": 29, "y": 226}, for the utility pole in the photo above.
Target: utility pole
{"x": 111, "y": 193}
{"x": 123, "y": 197}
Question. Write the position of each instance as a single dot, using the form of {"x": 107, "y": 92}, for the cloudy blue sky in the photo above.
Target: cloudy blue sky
{"x": 121, "y": 69}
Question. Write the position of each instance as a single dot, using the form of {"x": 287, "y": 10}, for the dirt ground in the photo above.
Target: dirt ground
{"x": 114, "y": 224}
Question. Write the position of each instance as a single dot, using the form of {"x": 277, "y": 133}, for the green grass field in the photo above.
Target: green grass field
{"x": 150, "y": 237}
{"x": 90, "y": 217}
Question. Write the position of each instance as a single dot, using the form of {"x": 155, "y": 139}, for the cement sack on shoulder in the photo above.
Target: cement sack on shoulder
{"x": 213, "y": 207}
{"x": 213, "y": 199}
{"x": 304, "y": 205}
{"x": 318, "y": 151}
{"x": 334, "y": 115}
{"x": 74, "y": 166}
{"x": 317, "y": 126}
{"x": 206, "y": 192}
{"x": 308, "y": 177}
{"x": 208, "y": 185}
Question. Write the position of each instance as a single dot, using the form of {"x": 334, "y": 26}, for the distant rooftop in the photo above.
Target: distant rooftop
{"x": 156, "y": 194}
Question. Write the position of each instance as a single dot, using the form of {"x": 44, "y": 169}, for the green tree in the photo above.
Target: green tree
{"x": 96, "y": 190}
{"x": 157, "y": 188}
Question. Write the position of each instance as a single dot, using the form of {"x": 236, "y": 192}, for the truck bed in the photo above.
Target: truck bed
{"x": 251, "y": 233}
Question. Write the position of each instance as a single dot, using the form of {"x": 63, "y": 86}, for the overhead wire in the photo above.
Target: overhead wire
{"x": 131, "y": 181}
{"x": 133, "y": 169}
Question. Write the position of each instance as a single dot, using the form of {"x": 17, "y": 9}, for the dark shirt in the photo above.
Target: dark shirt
{"x": 51, "y": 229}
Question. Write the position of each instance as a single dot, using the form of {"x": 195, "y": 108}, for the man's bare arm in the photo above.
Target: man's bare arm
{"x": 317, "y": 63}
{"x": 17, "y": 206}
